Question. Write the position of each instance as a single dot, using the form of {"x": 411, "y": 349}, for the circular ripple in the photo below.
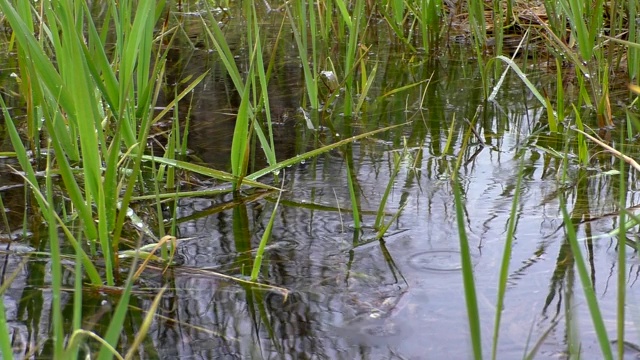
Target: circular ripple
{"x": 436, "y": 260}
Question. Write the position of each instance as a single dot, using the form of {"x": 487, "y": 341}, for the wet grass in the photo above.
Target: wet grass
{"x": 90, "y": 90}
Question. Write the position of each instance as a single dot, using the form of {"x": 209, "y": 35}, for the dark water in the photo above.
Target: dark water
{"x": 350, "y": 297}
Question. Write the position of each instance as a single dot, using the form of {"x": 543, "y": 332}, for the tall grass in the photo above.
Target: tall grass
{"x": 95, "y": 104}
{"x": 303, "y": 24}
{"x": 246, "y": 123}
{"x": 91, "y": 105}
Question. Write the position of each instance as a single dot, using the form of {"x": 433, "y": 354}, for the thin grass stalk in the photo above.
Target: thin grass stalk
{"x": 185, "y": 132}
{"x": 426, "y": 15}
{"x": 114, "y": 330}
{"x": 398, "y": 27}
{"x": 431, "y": 13}
{"x": 28, "y": 88}
{"x": 385, "y": 227}
{"x": 77, "y": 300}
{"x": 78, "y": 335}
{"x": 394, "y": 172}
{"x": 56, "y": 268}
{"x": 366, "y": 86}
{"x": 5, "y": 219}
{"x": 352, "y": 184}
{"x": 263, "y": 82}
{"x": 350, "y": 55}
{"x": 299, "y": 28}
{"x": 68, "y": 135}
{"x": 159, "y": 212}
{"x": 522, "y": 77}
{"x": 583, "y": 151}
{"x": 223, "y": 50}
{"x": 613, "y": 31}
{"x": 130, "y": 51}
{"x": 78, "y": 80}
{"x": 622, "y": 258}
{"x": 313, "y": 27}
{"x": 6, "y": 349}
{"x": 506, "y": 259}
{"x": 136, "y": 61}
{"x": 556, "y": 19}
{"x": 584, "y": 93}
{"x": 323, "y": 12}
{"x": 572, "y": 325}
{"x": 397, "y": 7}
{"x": 595, "y": 16}
{"x": 574, "y": 10}
{"x": 531, "y": 355}
{"x": 471, "y": 298}
{"x": 257, "y": 263}
{"x": 585, "y": 280}
{"x": 605, "y": 117}
{"x": 312, "y": 153}
{"x": 633, "y": 63}
{"x": 498, "y": 26}
{"x": 171, "y": 149}
{"x": 559, "y": 95}
{"x": 240, "y": 142}
{"x": 479, "y": 31}
{"x": 345, "y": 17}
{"x": 146, "y": 324}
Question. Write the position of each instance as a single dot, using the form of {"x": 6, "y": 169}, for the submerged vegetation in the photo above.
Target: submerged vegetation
{"x": 100, "y": 117}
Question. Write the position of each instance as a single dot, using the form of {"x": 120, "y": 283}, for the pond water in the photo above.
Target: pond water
{"x": 351, "y": 296}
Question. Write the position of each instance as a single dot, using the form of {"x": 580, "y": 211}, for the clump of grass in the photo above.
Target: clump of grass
{"x": 94, "y": 102}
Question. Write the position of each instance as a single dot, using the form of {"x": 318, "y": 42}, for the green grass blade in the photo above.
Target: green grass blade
{"x": 6, "y": 350}
{"x": 146, "y": 324}
{"x": 342, "y": 6}
{"x": 522, "y": 77}
{"x": 587, "y": 286}
{"x": 622, "y": 258}
{"x": 203, "y": 170}
{"x": 467, "y": 276}
{"x": 255, "y": 271}
{"x": 117, "y": 319}
{"x": 396, "y": 168}
{"x": 353, "y": 184}
{"x": 268, "y": 147}
{"x": 299, "y": 29}
{"x": 294, "y": 160}
{"x": 56, "y": 268}
{"x": 506, "y": 259}
{"x": 240, "y": 143}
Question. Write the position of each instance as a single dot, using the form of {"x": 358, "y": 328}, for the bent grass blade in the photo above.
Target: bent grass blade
{"x": 294, "y": 160}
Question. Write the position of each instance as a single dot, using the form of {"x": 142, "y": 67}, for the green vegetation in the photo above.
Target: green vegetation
{"x": 90, "y": 86}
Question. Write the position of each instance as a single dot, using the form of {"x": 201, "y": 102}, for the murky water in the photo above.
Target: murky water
{"x": 350, "y": 296}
